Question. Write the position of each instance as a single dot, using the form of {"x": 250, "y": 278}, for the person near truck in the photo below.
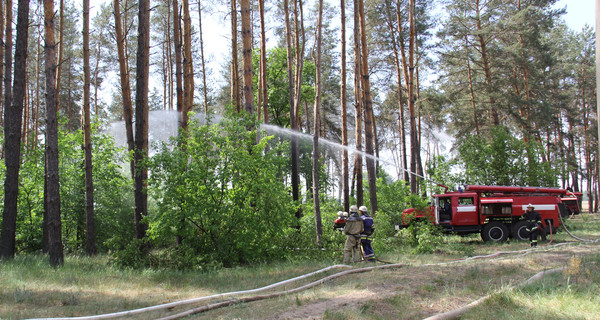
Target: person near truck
{"x": 340, "y": 222}
{"x": 534, "y": 224}
{"x": 353, "y": 229}
{"x": 365, "y": 240}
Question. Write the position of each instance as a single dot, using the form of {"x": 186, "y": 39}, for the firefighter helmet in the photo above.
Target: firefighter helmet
{"x": 362, "y": 209}
{"x": 530, "y": 206}
{"x": 340, "y": 213}
{"x": 353, "y": 209}
{"x": 345, "y": 214}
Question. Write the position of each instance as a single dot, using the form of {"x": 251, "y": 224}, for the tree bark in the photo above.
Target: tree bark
{"x": 486, "y": 65}
{"x": 293, "y": 109}
{"x": 124, "y": 78}
{"x": 60, "y": 56}
{"x": 235, "y": 78}
{"x": 55, "y": 248}
{"x": 2, "y": 107}
{"x": 316, "y": 132}
{"x": 414, "y": 140}
{"x": 204, "y": 87}
{"x": 263, "y": 63}
{"x": 400, "y": 89}
{"x": 141, "y": 117}
{"x": 87, "y": 135}
{"x": 300, "y": 46}
{"x": 12, "y": 131}
{"x": 247, "y": 56}
{"x": 188, "y": 66}
{"x": 8, "y": 44}
{"x": 368, "y": 110}
{"x": 343, "y": 102}
{"x": 178, "y": 59}
{"x": 358, "y": 106}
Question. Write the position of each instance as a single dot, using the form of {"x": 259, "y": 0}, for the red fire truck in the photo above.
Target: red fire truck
{"x": 495, "y": 211}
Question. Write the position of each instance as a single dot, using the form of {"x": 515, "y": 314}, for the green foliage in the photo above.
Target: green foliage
{"x": 219, "y": 193}
{"x": 278, "y": 84}
{"x": 444, "y": 171}
{"x": 392, "y": 199}
{"x": 113, "y": 200}
{"x": 423, "y": 236}
{"x": 332, "y": 240}
{"x": 30, "y": 201}
{"x": 504, "y": 159}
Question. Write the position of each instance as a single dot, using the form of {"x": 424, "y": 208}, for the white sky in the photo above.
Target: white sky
{"x": 579, "y": 13}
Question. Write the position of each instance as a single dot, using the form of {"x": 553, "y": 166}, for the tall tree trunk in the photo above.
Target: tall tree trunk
{"x": 204, "y": 87}
{"x": 263, "y": 63}
{"x": 299, "y": 58}
{"x": 8, "y": 44}
{"x": 358, "y": 106}
{"x": 400, "y": 89}
{"x": 343, "y": 102}
{"x": 2, "y": 16}
{"x": 317, "y": 123}
{"x": 414, "y": 140}
{"x": 293, "y": 109}
{"x": 188, "y": 65}
{"x": 170, "y": 88}
{"x": 124, "y": 78}
{"x": 368, "y": 110}
{"x": 60, "y": 55}
{"x": 486, "y": 65}
{"x": 55, "y": 248}
{"x": 87, "y": 135}
{"x": 471, "y": 91}
{"x": 141, "y": 117}
{"x": 247, "y": 56}
{"x": 12, "y": 131}
{"x": 235, "y": 78}
{"x": 407, "y": 174}
{"x": 178, "y": 60}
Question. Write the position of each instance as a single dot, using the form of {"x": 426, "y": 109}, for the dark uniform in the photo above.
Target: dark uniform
{"x": 534, "y": 224}
{"x": 366, "y": 236}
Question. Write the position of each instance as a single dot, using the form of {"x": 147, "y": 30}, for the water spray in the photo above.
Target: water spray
{"x": 276, "y": 129}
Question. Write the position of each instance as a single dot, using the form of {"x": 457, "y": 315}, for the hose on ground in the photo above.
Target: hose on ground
{"x": 456, "y": 313}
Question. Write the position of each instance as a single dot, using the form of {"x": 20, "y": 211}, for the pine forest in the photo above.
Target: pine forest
{"x": 178, "y": 133}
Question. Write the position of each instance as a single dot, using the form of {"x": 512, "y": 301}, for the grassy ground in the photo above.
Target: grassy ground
{"x": 427, "y": 284}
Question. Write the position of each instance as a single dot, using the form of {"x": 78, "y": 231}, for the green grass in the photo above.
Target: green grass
{"x": 29, "y": 287}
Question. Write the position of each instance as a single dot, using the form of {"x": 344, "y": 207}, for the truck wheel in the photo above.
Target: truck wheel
{"x": 519, "y": 231}
{"x": 495, "y": 231}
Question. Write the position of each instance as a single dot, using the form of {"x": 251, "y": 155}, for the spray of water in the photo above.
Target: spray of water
{"x": 289, "y": 132}
{"x": 163, "y": 124}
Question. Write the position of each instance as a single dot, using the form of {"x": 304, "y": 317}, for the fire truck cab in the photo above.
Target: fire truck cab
{"x": 494, "y": 211}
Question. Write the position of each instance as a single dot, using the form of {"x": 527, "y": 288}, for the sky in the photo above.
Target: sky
{"x": 579, "y": 13}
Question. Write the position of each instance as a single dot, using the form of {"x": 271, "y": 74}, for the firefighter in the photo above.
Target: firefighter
{"x": 534, "y": 224}
{"x": 365, "y": 240}
{"x": 340, "y": 222}
{"x": 353, "y": 229}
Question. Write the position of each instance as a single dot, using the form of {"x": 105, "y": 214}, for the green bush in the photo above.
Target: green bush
{"x": 423, "y": 236}
{"x": 219, "y": 194}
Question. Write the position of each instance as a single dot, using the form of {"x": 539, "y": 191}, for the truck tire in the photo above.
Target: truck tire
{"x": 519, "y": 231}
{"x": 494, "y": 231}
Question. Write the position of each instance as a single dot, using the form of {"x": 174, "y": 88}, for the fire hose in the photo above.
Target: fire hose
{"x": 279, "y": 293}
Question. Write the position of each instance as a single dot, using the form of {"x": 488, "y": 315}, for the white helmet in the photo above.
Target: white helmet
{"x": 362, "y": 209}
{"x": 340, "y": 213}
{"x": 353, "y": 208}
{"x": 345, "y": 214}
